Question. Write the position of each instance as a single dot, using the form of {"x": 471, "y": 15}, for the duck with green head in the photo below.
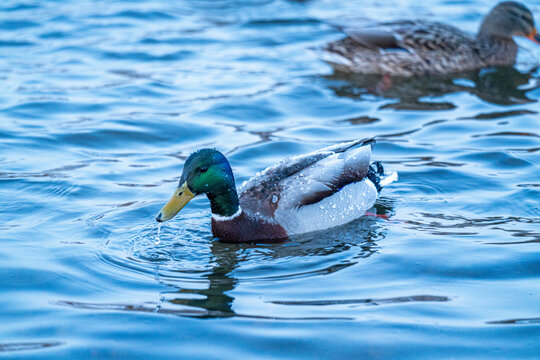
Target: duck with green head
{"x": 421, "y": 47}
{"x": 311, "y": 192}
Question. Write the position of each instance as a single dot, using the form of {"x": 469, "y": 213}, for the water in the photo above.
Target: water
{"x": 102, "y": 102}
{"x": 157, "y": 239}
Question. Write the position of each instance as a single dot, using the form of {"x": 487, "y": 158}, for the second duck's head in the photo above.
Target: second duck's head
{"x": 508, "y": 19}
{"x": 206, "y": 171}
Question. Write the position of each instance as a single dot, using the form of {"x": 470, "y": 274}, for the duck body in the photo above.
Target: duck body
{"x": 311, "y": 192}
{"x": 408, "y": 48}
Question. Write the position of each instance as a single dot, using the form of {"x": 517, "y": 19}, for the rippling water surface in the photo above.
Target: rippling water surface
{"x": 102, "y": 101}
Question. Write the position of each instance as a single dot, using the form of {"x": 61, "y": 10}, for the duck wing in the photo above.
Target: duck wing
{"x": 306, "y": 179}
{"x": 411, "y": 36}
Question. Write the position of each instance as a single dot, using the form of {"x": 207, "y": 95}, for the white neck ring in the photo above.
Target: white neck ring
{"x": 227, "y": 218}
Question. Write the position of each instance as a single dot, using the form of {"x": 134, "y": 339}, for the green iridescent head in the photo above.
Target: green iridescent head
{"x": 206, "y": 171}
{"x": 507, "y": 19}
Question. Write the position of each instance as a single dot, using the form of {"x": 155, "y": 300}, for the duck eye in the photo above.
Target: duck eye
{"x": 203, "y": 169}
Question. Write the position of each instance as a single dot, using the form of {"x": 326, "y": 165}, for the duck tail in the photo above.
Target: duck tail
{"x": 379, "y": 177}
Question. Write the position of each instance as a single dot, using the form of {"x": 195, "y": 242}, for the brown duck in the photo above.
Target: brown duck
{"x": 311, "y": 192}
{"x": 408, "y": 48}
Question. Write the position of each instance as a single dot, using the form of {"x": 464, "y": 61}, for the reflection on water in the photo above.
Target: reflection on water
{"x": 102, "y": 103}
{"x": 328, "y": 252}
{"x": 501, "y": 86}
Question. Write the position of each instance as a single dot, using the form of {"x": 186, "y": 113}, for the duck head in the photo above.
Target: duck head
{"x": 508, "y": 19}
{"x": 206, "y": 171}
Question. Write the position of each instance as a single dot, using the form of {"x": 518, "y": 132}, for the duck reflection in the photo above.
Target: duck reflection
{"x": 500, "y": 85}
{"x": 213, "y": 301}
{"x": 358, "y": 237}
{"x": 334, "y": 249}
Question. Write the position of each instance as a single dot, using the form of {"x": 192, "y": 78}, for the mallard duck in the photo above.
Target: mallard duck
{"x": 407, "y": 48}
{"x": 311, "y": 192}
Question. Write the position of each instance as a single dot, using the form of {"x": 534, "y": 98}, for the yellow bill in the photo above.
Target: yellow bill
{"x": 182, "y": 195}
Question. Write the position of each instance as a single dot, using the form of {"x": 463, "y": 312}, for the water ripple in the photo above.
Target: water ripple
{"x": 395, "y": 300}
{"x": 102, "y": 103}
{"x": 27, "y": 346}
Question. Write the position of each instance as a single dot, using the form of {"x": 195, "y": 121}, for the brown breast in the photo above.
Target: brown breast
{"x": 244, "y": 228}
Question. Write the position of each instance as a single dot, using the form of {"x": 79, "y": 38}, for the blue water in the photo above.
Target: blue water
{"x": 102, "y": 101}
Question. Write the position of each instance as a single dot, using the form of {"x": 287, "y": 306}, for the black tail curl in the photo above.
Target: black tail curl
{"x": 374, "y": 174}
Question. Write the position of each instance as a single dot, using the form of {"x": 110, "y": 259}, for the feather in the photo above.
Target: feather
{"x": 305, "y": 179}
{"x": 405, "y": 48}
